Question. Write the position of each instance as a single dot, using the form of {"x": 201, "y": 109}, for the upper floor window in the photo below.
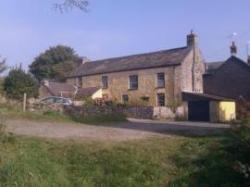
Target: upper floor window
{"x": 161, "y": 99}
{"x": 160, "y": 80}
{"x": 104, "y": 82}
{"x": 133, "y": 82}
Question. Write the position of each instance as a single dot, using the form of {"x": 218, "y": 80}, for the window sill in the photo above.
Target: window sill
{"x": 132, "y": 89}
{"x": 159, "y": 87}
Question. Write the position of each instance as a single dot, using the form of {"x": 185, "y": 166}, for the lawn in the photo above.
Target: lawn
{"x": 174, "y": 161}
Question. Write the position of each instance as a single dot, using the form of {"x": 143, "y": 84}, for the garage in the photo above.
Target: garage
{"x": 198, "y": 111}
{"x": 209, "y": 108}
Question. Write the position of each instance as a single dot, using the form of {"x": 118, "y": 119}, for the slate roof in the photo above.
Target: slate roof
{"x": 87, "y": 92}
{"x": 134, "y": 62}
{"x": 231, "y": 79}
{"x": 188, "y": 96}
{"x": 68, "y": 90}
{"x": 213, "y": 66}
{"x": 56, "y": 88}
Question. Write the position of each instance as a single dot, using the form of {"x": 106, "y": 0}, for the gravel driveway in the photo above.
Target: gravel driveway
{"x": 132, "y": 130}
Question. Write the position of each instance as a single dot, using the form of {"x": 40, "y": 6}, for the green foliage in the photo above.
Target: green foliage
{"x": 1, "y": 86}
{"x": 3, "y": 66}
{"x": 18, "y": 82}
{"x": 89, "y": 102}
{"x": 224, "y": 162}
{"x": 54, "y": 63}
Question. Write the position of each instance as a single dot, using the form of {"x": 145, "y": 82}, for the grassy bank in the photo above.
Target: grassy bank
{"x": 11, "y": 112}
{"x": 172, "y": 161}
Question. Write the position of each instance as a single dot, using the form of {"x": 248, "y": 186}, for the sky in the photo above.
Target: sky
{"x": 113, "y": 28}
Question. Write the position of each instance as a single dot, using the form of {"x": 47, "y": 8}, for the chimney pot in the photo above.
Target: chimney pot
{"x": 233, "y": 49}
{"x": 192, "y": 39}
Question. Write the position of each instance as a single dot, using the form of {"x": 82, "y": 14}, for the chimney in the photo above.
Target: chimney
{"x": 192, "y": 39}
{"x": 233, "y": 49}
{"x": 84, "y": 60}
{"x": 45, "y": 83}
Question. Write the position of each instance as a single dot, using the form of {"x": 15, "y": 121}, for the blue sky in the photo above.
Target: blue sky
{"x": 121, "y": 27}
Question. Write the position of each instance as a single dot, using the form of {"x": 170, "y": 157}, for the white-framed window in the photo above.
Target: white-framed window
{"x": 160, "y": 80}
{"x": 105, "y": 83}
{"x": 160, "y": 99}
{"x": 133, "y": 82}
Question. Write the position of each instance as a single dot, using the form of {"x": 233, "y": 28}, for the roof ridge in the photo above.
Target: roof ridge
{"x": 156, "y": 59}
{"x": 139, "y": 54}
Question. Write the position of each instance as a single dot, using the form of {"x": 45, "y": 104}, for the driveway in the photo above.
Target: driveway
{"x": 131, "y": 130}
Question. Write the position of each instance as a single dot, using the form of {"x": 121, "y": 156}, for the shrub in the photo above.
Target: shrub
{"x": 18, "y": 82}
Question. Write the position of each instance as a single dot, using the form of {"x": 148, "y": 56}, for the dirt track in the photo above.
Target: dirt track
{"x": 121, "y": 132}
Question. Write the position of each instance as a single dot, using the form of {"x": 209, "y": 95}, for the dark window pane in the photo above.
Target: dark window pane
{"x": 133, "y": 82}
{"x": 161, "y": 99}
{"x": 160, "y": 80}
{"x": 125, "y": 98}
{"x": 104, "y": 82}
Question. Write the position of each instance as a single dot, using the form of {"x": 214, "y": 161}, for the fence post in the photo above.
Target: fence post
{"x": 24, "y": 101}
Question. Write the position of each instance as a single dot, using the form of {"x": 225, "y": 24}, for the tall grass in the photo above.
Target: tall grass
{"x": 36, "y": 162}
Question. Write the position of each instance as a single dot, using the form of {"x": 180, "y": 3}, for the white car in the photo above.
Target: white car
{"x": 56, "y": 100}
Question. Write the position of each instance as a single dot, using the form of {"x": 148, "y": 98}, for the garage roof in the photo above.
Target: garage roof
{"x": 190, "y": 96}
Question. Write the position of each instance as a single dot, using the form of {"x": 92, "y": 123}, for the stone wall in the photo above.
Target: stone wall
{"x": 131, "y": 112}
{"x": 139, "y": 112}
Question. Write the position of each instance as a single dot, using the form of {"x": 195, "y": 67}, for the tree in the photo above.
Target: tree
{"x": 3, "y": 66}
{"x": 71, "y": 4}
{"x": 54, "y": 63}
{"x": 18, "y": 82}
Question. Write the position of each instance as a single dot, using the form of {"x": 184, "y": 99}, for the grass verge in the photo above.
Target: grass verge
{"x": 154, "y": 162}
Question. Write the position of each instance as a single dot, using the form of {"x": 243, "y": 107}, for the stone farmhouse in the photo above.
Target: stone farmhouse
{"x": 157, "y": 78}
{"x": 169, "y": 80}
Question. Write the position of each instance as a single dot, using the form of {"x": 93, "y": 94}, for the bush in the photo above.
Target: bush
{"x": 18, "y": 82}
{"x": 238, "y": 149}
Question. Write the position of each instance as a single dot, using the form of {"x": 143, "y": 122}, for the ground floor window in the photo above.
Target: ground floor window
{"x": 125, "y": 98}
{"x": 161, "y": 99}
